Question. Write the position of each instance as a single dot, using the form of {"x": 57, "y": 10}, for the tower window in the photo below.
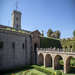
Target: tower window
{"x": 17, "y": 18}
{"x": 26, "y": 43}
{"x": 1, "y": 44}
{"x": 17, "y": 25}
{"x": 13, "y": 45}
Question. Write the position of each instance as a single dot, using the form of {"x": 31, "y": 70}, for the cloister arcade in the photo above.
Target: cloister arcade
{"x": 49, "y": 59}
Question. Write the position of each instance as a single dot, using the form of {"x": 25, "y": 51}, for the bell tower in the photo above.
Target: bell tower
{"x": 16, "y": 19}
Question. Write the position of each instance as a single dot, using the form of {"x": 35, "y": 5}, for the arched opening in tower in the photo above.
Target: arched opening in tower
{"x": 58, "y": 63}
{"x": 40, "y": 59}
{"x": 48, "y": 60}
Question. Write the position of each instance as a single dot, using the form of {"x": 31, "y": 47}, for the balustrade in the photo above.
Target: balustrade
{"x": 55, "y": 50}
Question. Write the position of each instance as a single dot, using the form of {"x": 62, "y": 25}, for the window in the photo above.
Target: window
{"x": 1, "y": 44}
{"x": 13, "y": 45}
{"x": 71, "y": 46}
{"x": 65, "y": 47}
{"x": 23, "y": 45}
{"x": 17, "y": 18}
{"x": 26, "y": 43}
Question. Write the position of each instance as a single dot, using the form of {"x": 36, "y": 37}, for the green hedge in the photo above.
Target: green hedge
{"x": 68, "y": 44}
{"x": 43, "y": 70}
{"x": 58, "y": 73}
{"x": 46, "y": 42}
{"x": 47, "y": 71}
{"x": 72, "y": 62}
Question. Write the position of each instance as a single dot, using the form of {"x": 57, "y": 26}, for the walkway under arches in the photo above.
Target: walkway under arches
{"x": 48, "y": 60}
{"x": 57, "y": 64}
{"x": 40, "y": 59}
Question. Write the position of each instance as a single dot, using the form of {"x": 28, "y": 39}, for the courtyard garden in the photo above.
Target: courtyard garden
{"x": 36, "y": 70}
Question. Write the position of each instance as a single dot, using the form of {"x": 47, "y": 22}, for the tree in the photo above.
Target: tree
{"x": 49, "y": 32}
{"x": 74, "y": 33}
{"x": 54, "y": 35}
{"x": 42, "y": 34}
{"x": 57, "y": 33}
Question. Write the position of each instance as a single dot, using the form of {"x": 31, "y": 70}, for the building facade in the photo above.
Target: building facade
{"x": 17, "y": 46}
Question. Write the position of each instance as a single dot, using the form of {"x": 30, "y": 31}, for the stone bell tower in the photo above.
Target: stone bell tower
{"x": 16, "y": 19}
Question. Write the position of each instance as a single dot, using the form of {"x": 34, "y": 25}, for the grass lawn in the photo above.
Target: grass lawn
{"x": 35, "y": 71}
{"x": 50, "y": 69}
{"x": 28, "y": 72}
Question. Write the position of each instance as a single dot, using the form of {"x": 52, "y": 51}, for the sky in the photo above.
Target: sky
{"x": 41, "y": 15}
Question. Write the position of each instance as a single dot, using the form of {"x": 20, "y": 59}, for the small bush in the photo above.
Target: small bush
{"x": 12, "y": 74}
{"x": 58, "y": 73}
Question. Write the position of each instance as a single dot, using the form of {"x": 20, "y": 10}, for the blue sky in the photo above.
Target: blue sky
{"x": 41, "y": 15}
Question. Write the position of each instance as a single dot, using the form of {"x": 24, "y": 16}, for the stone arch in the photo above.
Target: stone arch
{"x": 40, "y": 59}
{"x": 57, "y": 64}
{"x": 67, "y": 64}
{"x": 48, "y": 60}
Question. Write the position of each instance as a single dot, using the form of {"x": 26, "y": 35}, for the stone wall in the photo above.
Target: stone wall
{"x": 35, "y": 44}
{"x": 19, "y": 55}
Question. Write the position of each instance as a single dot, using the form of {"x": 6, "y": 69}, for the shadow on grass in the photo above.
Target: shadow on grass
{"x": 15, "y": 70}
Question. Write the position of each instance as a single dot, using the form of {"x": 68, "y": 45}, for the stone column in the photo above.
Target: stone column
{"x": 65, "y": 70}
{"x": 37, "y": 59}
{"x": 53, "y": 62}
{"x": 66, "y": 66}
{"x": 44, "y": 60}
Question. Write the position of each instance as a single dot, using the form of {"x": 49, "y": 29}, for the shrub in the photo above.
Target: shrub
{"x": 13, "y": 30}
{"x": 46, "y": 42}
{"x": 43, "y": 70}
{"x": 58, "y": 73}
{"x": 61, "y": 62}
{"x": 33, "y": 73}
{"x": 26, "y": 72}
{"x": 7, "y": 28}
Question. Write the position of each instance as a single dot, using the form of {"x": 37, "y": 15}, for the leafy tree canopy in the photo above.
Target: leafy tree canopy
{"x": 49, "y": 32}
{"x": 42, "y": 34}
{"x": 74, "y": 33}
{"x": 55, "y": 34}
